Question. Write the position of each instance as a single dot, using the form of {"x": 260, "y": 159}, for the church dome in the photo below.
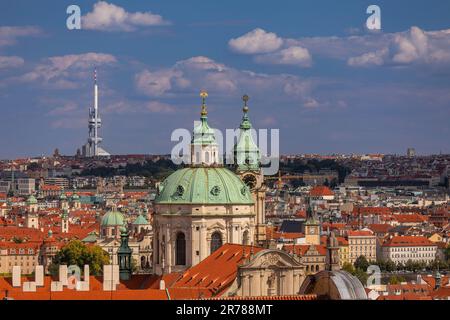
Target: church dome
{"x": 140, "y": 220}
{"x": 203, "y": 185}
{"x": 75, "y": 197}
{"x": 334, "y": 285}
{"x": 31, "y": 200}
{"x": 112, "y": 218}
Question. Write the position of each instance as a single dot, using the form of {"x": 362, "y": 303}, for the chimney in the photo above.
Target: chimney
{"x": 162, "y": 285}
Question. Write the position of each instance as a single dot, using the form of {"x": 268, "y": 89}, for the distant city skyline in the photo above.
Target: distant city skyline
{"x": 311, "y": 70}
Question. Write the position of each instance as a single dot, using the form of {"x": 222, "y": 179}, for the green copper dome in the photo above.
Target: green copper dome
{"x": 62, "y": 196}
{"x": 31, "y": 200}
{"x": 203, "y": 185}
{"x": 75, "y": 197}
{"x": 112, "y": 218}
{"x": 140, "y": 220}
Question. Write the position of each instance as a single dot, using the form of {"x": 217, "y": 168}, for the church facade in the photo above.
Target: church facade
{"x": 205, "y": 205}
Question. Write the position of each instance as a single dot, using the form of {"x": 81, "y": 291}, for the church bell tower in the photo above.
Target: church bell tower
{"x": 248, "y": 167}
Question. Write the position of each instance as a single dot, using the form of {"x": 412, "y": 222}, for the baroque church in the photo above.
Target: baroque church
{"x": 205, "y": 205}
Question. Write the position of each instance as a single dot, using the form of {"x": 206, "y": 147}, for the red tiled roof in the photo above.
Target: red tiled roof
{"x": 213, "y": 279}
{"x": 441, "y": 293}
{"x": 380, "y": 227}
{"x": 360, "y": 233}
{"x": 407, "y": 296}
{"x": 48, "y": 187}
{"x": 410, "y": 218}
{"x": 371, "y": 210}
{"x": 408, "y": 241}
{"x": 301, "y": 249}
{"x": 320, "y": 191}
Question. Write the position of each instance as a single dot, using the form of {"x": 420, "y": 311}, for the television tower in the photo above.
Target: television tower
{"x": 92, "y": 148}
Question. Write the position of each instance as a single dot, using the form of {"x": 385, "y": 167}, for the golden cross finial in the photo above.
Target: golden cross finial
{"x": 245, "y": 98}
{"x": 204, "y": 95}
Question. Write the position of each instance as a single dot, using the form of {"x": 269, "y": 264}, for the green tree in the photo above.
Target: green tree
{"x": 134, "y": 266}
{"x": 390, "y": 266}
{"x": 347, "y": 266}
{"x": 447, "y": 253}
{"x": 394, "y": 280}
{"x": 409, "y": 265}
{"x": 361, "y": 263}
{"x": 17, "y": 240}
{"x": 77, "y": 253}
{"x": 361, "y": 275}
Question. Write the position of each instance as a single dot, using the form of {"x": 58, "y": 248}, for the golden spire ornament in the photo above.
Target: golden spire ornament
{"x": 245, "y": 98}
{"x": 204, "y": 95}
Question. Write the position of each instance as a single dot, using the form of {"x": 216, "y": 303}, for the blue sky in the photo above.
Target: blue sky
{"x": 310, "y": 68}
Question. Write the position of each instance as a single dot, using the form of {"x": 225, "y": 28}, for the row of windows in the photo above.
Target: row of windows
{"x": 415, "y": 248}
{"x": 21, "y": 251}
{"x": 361, "y": 248}
{"x": 362, "y": 241}
{"x": 312, "y": 268}
{"x": 21, "y": 258}
{"x": 22, "y": 264}
{"x": 413, "y": 255}
{"x": 180, "y": 246}
{"x": 314, "y": 259}
{"x": 357, "y": 255}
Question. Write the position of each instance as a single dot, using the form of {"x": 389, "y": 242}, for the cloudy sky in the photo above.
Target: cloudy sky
{"x": 311, "y": 69}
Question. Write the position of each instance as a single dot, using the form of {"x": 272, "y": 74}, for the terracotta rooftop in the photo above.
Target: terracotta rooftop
{"x": 320, "y": 191}
{"x": 207, "y": 275}
{"x": 407, "y": 241}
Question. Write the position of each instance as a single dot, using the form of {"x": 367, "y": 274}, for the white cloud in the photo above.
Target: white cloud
{"x": 125, "y": 106}
{"x": 63, "y": 71}
{"x": 68, "y": 108}
{"x": 159, "y": 82}
{"x": 413, "y": 46}
{"x": 368, "y": 59}
{"x": 10, "y": 62}
{"x": 69, "y": 123}
{"x": 109, "y": 17}
{"x": 294, "y": 55}
{"x": 9, "y": 34}
{"x": 159, "y": 107}
{"x": 311, "y": 103}
{"x": 193, "y": 74}
{"x": 256, "y": 41}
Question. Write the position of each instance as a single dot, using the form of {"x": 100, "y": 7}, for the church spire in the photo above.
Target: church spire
{"x": 245, "y": 124}
{"x": 124, "y": 255}
{"x": 204, "y": 112}
{"x": 204, "y": 149}
{"x": 246, "y": 152}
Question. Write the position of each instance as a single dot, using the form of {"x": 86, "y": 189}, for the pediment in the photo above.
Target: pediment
{"x": 216, "y": 225}
{"x": 272, "y": 259}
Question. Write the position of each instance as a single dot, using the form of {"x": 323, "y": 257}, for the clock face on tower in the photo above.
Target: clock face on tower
{"x": 250, "y": 181}
{"x": 312, "y": 230}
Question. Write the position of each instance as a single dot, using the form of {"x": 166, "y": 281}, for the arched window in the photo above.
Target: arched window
{"x": 180, "y": 250}
{"x": 245, "y": 238}
{"x": 216, "y": 241}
